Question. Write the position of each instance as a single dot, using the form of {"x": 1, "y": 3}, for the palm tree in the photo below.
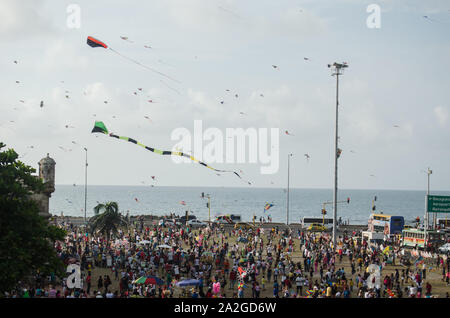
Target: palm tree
{"x": 107, "y": 219}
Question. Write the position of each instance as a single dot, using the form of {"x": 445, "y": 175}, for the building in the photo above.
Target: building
{"x": 47, "y": 175}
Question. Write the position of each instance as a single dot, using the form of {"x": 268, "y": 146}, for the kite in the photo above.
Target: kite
{"x": 261, "y": 95}
{"x": 274, "y": 66}
{"x": 396, "y": 126}
{"x": 338, "y": 153}
{"x": 268, "y": 206}
{"x": 15, "y": 62}
{"x": 100, "y": 127}
{"x": 42, "y": 103}
{"x": 22, "y": 101}
{"x": 307, "y": 156}
{"x": 182, "y": 203}
{"x": 93, "y": 42}
{"x": 147, "y": 46}
{"x": 126, "y": 39}
{"x": 136, "y": 199}
{"x": 221, "y": 102}
{"x": 287, "y": 133}
{"x": 140, "y": 89}
{"x": 242, "y": 113}
{"x": 236, "y": 95}
{"x": 153, "y": 177}
{"x": 147, "y": 118}
{"x": 17, "y": 82}
{"x": 306, "y": 58}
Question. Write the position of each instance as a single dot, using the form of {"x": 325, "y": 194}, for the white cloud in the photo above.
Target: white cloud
{"x": 20, "y": 19}
{"x": 441, "y": 114}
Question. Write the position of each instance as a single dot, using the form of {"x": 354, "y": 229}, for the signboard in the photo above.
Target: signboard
{"x": 438, "y": 204}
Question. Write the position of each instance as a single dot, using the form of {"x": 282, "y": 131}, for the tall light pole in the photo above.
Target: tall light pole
{"x": 85, "y": 187}
{"x": 287, "y": 205}
{"x": 336, "y": 70}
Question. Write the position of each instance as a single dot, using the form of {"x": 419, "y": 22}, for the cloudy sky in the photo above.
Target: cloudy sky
{"x": 394, "y": 113}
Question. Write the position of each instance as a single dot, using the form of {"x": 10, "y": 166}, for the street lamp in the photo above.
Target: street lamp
{"x": 336, "y": 70}
{"x": 85, "y": 187}
{"x": 287, "y": 205}
{"x": 426, "y": 221}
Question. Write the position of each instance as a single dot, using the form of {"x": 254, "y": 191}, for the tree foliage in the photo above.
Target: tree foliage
{"x": 26, "y": 239}
{"x": 107, "y": 219}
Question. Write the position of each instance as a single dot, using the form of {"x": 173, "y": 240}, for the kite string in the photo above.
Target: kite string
{"x": 140, "y": 64}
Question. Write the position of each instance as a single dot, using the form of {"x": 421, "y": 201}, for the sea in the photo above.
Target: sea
{"x": 160, "y": 200}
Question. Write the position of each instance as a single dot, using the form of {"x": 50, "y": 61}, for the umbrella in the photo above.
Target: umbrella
{"x": 140, "y": 280}
{"x": 188, "y": 282}
{"x": 164, "y": 246}
{"x": 153, "y": 280}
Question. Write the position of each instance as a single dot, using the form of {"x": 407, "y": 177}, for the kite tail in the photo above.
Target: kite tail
{"x": 145, "y": 66}
{"x": 172, "y": 153}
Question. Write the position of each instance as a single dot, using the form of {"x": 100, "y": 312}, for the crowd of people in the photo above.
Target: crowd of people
{"x": 218, "y": 261}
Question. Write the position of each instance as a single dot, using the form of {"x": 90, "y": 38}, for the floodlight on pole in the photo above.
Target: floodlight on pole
{"x": 336, "y": 70}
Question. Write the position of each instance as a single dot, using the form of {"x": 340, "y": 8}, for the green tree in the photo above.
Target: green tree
{"x": 26, "y": 239}
{"x": 107, "y": 219}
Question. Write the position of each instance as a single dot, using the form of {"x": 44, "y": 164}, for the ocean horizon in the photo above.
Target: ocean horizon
{"x": 245, "y": 201}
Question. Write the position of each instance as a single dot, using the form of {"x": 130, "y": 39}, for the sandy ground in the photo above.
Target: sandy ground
{"x": 434, "y": 276}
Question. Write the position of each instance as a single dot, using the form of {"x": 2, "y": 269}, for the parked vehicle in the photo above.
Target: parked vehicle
{"x": 196, "y": 223}
{"x": 445, "y": 248}
{"x": 317, "y": 227}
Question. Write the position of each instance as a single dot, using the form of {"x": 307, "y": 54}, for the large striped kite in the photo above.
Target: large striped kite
{"x": 100, "y": 127}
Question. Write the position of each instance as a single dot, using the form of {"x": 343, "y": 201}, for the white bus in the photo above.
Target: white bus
{"x": 306, "y": 221}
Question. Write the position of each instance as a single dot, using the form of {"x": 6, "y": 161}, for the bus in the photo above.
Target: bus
{"x": 387, "y": 224}
{"x": 416, "y": 237}
{"x": 306, "y": 221}
{"x": 443, "y": 223}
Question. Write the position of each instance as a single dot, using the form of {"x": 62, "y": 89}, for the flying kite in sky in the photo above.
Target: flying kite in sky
{"x": 15, "y": 62}
{"x": 396, "y": 126}
{"x": 288, "y": 133}
{"x": 125, "y": 38}
{"x": 307, "y": 157}
{"x": 100, "y": 127}
{"x": 42, "y": 103}
{"x": 93, "y": 42}
{"x": 274, "y": 66}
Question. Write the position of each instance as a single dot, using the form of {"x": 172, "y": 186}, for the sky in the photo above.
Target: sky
{"x": 394, "y": 113}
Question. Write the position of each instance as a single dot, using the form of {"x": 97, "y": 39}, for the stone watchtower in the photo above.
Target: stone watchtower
{"x": 47, "y": 175}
